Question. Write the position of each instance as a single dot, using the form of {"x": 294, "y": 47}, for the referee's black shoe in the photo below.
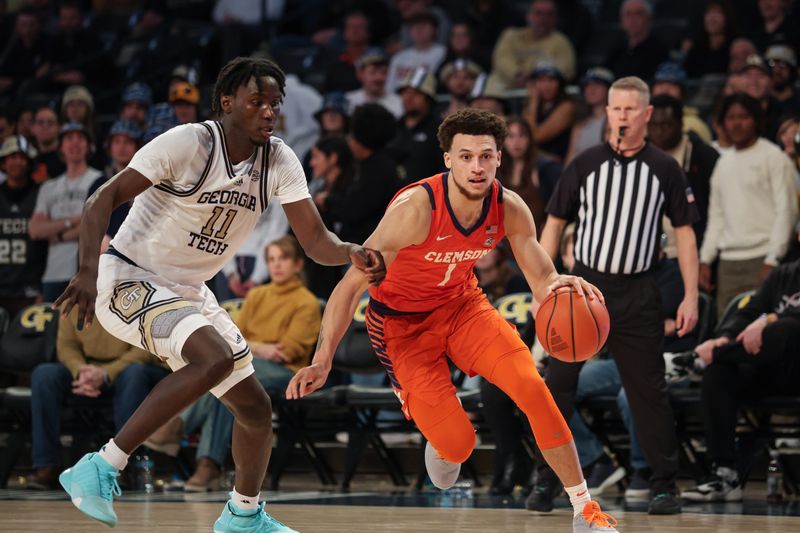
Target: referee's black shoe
{"x": 664, "y": 503}
{"x": 546, "y": 487}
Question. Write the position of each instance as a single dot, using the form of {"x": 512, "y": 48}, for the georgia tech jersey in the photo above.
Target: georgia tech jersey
{"x": 202, "y": 207}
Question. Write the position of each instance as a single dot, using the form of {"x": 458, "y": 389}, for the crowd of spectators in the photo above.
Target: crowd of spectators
{"x": 83, "y": 85}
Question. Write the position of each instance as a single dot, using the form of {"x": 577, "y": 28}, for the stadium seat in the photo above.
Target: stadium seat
{"x": 233, "y": 307}
{"x": 29, "y": 340}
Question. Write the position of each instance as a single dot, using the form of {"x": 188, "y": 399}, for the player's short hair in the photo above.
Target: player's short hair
{"x": 289, "y": 246}
{"x": 664, "y": 101}
{"x": 237, "y": 73}
{"x": 471, "y": 121}
{"x": 750, "y": 104}
{"x": 632, "y": 83}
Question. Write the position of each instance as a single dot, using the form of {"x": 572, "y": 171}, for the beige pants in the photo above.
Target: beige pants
{"x": 736, "y": 277}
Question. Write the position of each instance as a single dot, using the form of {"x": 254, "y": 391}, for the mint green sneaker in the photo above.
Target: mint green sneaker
{"x": 92, "y": 485}
{"x": 235, "y": 520}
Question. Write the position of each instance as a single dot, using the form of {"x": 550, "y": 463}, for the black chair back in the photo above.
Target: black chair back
{"x": 30, "y": 339}
{"x": 355, "y": 352}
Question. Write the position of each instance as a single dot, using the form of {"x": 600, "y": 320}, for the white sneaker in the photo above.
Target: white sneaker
{"x": 722, "y": 487}
{"x": 593, "y": 519}
{"x": 443, "y": 473}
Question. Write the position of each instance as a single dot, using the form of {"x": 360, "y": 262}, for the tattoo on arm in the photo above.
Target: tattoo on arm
{"x": 321, "y": 338}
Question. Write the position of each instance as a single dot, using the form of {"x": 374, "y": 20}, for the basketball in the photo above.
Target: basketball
{"x": 572, "y": 328}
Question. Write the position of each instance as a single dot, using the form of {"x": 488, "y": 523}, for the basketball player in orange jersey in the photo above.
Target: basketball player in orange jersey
{"x": 429, "y": 305}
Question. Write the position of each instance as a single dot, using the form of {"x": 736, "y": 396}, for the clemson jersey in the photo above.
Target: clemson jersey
{"x": 425, "y": 276}
{"x": 202, "y": 207}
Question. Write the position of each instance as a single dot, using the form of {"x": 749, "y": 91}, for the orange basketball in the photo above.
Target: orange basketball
{"x": 570, "y": 327}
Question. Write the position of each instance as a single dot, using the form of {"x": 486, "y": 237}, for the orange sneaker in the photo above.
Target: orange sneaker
{"x": 593, "y": 519}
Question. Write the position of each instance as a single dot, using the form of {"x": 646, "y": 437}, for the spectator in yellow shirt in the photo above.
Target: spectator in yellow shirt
{"x": 281, "y": 321}
{"x": 91, "y": 363}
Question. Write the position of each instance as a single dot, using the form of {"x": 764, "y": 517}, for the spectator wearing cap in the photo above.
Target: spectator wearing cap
{"x": 588, "y": 131}
{"x": 458, "y": 79}
{"x": 184, "y": 98}
{"x": 697, "y": 159}
{"x": 549, "y": 111}
{"x": 136, "y": 101}
{"x": 756, "y": 81}
{"x": 641, "y": 52}
{"x": 424, "y": 52}
{"x": 670, "y": 79}
{"x": 360, "y": 206}
{"x": 372, "y": 69}
{"x": 77, "y": 105}
{"x": 47, "y": 163}
{"x": 59, "y": 204}
{"x": 520, "y": 50}
{"x": 416, "y": 144}
{"x": 25, "y": 258}
{"x": 332, "y": 116}
{"x": 709, "y": 51}
{"x": 123, "y": 140}
{"x": 24, "y": 55}
{"x": 783, "y": 63}
{"x": 488, "y": 94}
{"x": 752, "y": 208}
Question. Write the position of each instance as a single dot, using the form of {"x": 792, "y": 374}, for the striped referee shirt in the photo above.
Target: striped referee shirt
{"x": 617, "y": 203}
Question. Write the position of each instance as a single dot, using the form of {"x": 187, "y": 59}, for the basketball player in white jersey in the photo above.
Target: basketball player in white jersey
{"x": 199, "y": 190}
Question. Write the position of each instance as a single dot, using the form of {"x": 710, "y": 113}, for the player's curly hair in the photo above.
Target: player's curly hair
{"x": 472, "y": 122}
{"x": 238, "y": 72}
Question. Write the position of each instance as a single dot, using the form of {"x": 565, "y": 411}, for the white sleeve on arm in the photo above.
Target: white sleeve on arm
{"x": 166, "y": 157}
{"x": 785, "y": 199}
{"x": 290, "y": 180}
{"x": 43, "y": 198}
{"x": 709, "y": 250}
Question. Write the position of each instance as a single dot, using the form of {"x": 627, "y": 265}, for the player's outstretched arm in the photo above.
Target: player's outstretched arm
{"x": 325, "y": 248}
{"x": 82, "y": 289}
{"x": 533, "y": 260}
{"x": 406, "y": 222}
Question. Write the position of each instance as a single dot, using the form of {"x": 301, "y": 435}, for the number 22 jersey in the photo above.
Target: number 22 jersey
{"x": 202, "y": 207}
{"x": 425, "y": 276}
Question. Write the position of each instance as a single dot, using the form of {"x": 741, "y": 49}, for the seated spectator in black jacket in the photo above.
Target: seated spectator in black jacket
{"x": 360, "y": 206}
{"x": 754, "y": 355}
{"x": 416, "y": 145}
{"x": 22, "y": 259}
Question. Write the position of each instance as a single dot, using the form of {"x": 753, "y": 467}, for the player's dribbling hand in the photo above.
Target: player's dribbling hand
{"x": 580, "y": 285}
{"x": 81, "y": 291}
{"x": 370, "y": 262}
{"x": 306, "y": 381}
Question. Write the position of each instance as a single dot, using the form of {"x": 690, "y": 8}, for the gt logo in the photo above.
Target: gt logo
{"x": 36, "y": 317}
{"x": 128, "y": 298}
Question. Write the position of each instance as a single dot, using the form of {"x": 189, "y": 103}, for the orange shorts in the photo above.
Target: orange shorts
{"x": 414, "y": 347}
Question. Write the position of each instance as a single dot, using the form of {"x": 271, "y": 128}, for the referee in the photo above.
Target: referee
{"x": 617, "y": 194}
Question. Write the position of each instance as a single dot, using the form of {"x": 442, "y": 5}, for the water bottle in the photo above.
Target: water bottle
{"x": 774, "y": 478}
{"x": 143, "y": 473}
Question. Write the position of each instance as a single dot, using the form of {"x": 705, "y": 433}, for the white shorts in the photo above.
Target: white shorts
{"x": 158, "y": 315}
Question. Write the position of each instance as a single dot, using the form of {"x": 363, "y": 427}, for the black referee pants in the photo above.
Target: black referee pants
{"x": 635, "y": 341}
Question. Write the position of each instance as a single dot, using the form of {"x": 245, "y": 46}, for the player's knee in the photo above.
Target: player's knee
{"x": 256, "y": 413}
{"x": 458, "y": 446}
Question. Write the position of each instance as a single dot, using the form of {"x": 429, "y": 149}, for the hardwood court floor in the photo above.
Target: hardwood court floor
{"x": 186, "y": 517}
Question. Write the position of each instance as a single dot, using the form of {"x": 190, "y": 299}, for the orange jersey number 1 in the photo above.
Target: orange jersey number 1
{"x": 447, "y": 275}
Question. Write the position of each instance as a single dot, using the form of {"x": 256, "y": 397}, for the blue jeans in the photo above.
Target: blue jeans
{"x": 51, "y": 385}
{"x": 215, "y": 421}
{"x": 601, "y": 378}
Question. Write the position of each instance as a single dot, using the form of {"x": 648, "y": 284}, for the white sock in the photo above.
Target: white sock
{"x": 245, "y": 503}
{"x": 578, "y": 497}
{"x": 114, "y": 455}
